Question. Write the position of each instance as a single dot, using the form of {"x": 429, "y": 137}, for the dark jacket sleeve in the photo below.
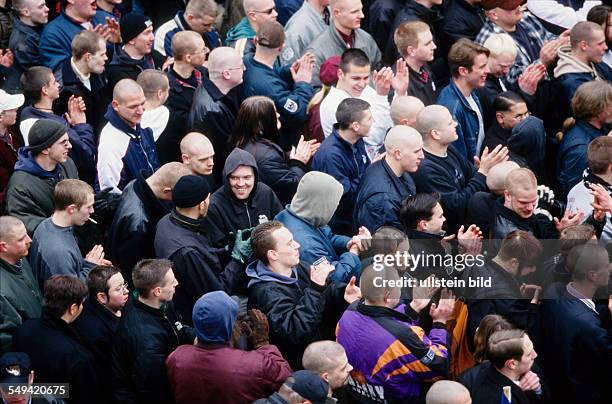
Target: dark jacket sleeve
{"x": 276, "y": 173}
{"x": 19, "y": 204}
{"x": 294, "y": 321}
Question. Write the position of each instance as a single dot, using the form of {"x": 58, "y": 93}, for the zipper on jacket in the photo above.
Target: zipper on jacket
{"x": 246, "y": 206}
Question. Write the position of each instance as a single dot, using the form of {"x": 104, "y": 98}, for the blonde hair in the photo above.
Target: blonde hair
{"x": 500, "y": 44}
{"x": 407, "y": 34}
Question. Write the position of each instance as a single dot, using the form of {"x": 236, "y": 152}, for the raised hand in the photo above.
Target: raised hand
{"x": 530, "y": 78}
{"x": 470, "y": 240}
{"x": 442, "y": 311}
{"x": 568, "y": 219}
{"x": 401, "y": 78}
{"x": 382, "y": 80}
{"x": 76, "y": 111}
{"x": 490, "y": 159}
{"x": 352, "y": 291}
{"x": 319, "y": 273}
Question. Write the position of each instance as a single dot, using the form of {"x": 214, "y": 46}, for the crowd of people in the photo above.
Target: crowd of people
{"x": 208, "y": 201}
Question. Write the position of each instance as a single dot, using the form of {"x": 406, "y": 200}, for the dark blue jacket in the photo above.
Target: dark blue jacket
{"x": 321, "y": 242}
{"x": 574, "y": 350}
{"x": 455, "y": 179}
{"x": 81, "y": 136}
{"x": 211, "y": 39}
{"x": 569, "y": 82}
{"x": 467, "y": 119}
{"x": 56, "y": 40}
{"x": 122, "y": 66}
{"x": 347, "y": 164}
{"x": 380, "y": 197}
{"x": 291, "y": 99}
{"x": 571, "y": 158}
{"x": 380, "y": 19}
{"x": 462, "y": 20}
{"x": 286, "y": 8}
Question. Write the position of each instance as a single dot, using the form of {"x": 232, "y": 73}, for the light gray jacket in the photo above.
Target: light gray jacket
{"x": 330, "y": 43}
{"x": 301, "y": 29}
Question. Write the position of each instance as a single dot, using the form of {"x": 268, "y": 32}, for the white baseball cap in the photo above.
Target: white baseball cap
{"x": 10, "y": 101}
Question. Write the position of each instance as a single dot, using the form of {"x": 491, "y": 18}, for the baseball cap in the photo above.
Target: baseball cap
{"x": 10, "y": 101}
{"x": 503, "y": 4}
{"x": 329, "y": 70}
{"x": 14, "y": 367}
{"x": 311, "y": 386}
{"x": 271, "y": 34}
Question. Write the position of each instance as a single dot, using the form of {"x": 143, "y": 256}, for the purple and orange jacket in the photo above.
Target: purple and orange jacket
{"x": 390, "y": 354}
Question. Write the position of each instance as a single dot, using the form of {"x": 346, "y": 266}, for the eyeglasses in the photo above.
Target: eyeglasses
{"x": 267, "y": 11}
{"x": 243, "y": 67}
{"x": 122, "y": 288}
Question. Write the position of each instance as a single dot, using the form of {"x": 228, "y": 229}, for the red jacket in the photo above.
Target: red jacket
{"x": 218, "y": 373}
{"x": 8, "y": 158}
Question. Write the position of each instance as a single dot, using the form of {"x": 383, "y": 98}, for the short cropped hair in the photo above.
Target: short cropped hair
{"x": 583, "y": 31}
{"x": 61, "y": 292}
{"x": 350, "y": 110}
{"x": 355, "y": 57}
{"x": 599, "y": 154}
{"x": 87, "y": 42}
{"x": 522, "y": 178}
{"x": 183, "y": 44}
{"x": 463, "y": 53}
{"x": 506, "y": 100}
{"x": 69, "y": 192}
{"x": 504, "y": 345}
{"x": 407, "y": 34}
{"x": 33, "y": 80}
{"x": 97, "y": 279}
{"x": 200, "y": 8}
{"x": 152, "y": 81}
{"x": 522, "y": 246}
{"x": 149, "y": 274}
{"x": 262, "y": 239}
{"x": 585, "y": 258}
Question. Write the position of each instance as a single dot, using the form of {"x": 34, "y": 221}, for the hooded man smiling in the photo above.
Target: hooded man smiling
{"x": 242, "y": 202}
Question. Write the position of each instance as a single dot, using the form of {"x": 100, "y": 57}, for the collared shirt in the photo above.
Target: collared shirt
{"x": 80, "y": 75}
{"x": 588, "y": 302}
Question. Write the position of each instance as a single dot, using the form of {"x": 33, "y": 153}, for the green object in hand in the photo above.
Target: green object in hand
{"x": 242, "y": 246}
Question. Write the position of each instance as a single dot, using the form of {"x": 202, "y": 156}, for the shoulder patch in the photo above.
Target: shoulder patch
{"x": 429, "y": 357}
{"x": 290, "y": 105}
{"x": 287, "y": 53}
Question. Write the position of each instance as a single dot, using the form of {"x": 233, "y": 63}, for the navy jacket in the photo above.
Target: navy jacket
{"x": 56, "y": 40}
{"x": 291, "y": 99}
{"x": 122, "y": 66}
{"x": 569, "y": 82}
{"x": 455, "y": 179}
{"x": 347, "y": 164}
{"x": 575, "y": 352}
{"x": 286, "y": 8}
{"x": 467, "y": 119}
{"x": 380, "y": 197}
{"x": 571, "y": 158}
{"x": 381, "y": 15}
{"x": 462, "y": 20}
{"x": 81, "y": 136}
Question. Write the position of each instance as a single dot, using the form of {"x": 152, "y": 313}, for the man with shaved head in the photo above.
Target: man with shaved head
{"x": 391, "y": 355}
{"x": 216, "y": 102}
{"x": 126, "y": 150}
{"x": 517, "y": 210}
{"x": 483, "y": 201}
{"x": 581, "y": 60}
{"x": 448, "y": 392}
{"x": 329, "y": 360}
{"x": 386, "y": 182}
{"x": 197, "y": 153}
{"x": 446, "y": 171}
{"x": 143, "y": 203}
{"x": 257, "y": 12}
{"x": 20, "y": 298}
{"x": 404, "y": 110}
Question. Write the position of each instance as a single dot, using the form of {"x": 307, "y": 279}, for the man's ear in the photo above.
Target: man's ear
{"x": 463, "y": 71}
{"x": 421, "y": 225}
{"x": 115, "y": 104}
{"x": 410, "y": 50}
{"x": 3, "y": 246}
{"x": 70, "y": 209}
{"x": 499, "y": 117}
{"x": 510, "y": 364}
{"x": 101, "y": 298}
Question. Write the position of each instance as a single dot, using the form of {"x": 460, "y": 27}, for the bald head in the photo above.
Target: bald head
{"x": 168, "y": 175}
{"x": 197, "y": 153}
{"x": 496, "y": 179}
{"x": 402, "y": 137}
{"x": 430, "y": 118}
{"x": 126, "y": 88}
{"x": 404, "y": 110}
{"x": 377, "y": 292}
{"x": 222, "y": 58}
{"x": 448, "y": 392}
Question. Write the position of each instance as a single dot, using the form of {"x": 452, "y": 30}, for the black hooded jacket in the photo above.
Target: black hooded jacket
{"x": 226, "y": 213}
{"x": 122, "y": 66}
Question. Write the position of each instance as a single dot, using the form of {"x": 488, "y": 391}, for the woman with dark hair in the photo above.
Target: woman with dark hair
{"x": 488, "y": 325}
{"x": 257, "y": 131}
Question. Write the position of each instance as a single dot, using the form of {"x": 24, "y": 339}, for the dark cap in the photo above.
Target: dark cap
{"x": 132, "y": 24}
{"x": 329, "y": 70}
{"x": 271, "y": 34}
{"x": 44, "y": 133}
{"x": 189, "y": 191}
{"x": 14, "y": 367}
{"x": 311, "y": 386}
{"x": 504, "y": 4}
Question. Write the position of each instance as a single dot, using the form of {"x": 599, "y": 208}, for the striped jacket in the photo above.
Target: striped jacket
{"x": 537, "y": 34}
{"x": 390, "y": 354}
